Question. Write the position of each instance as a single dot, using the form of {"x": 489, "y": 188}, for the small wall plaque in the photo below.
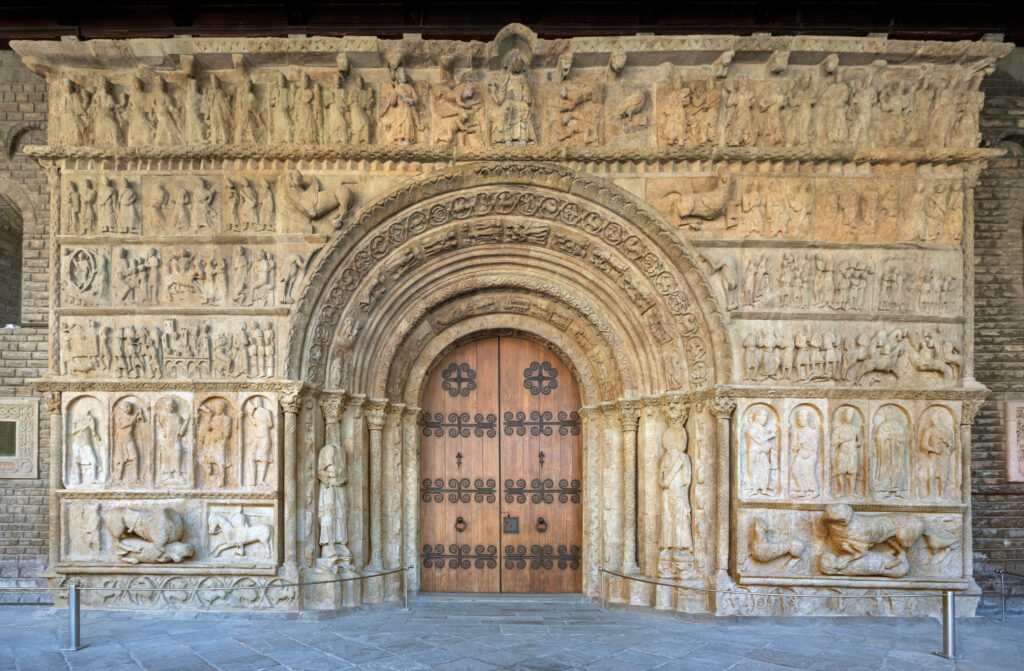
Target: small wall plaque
{"x": 19, "y": 438}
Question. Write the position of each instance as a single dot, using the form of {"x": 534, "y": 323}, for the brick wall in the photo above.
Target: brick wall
{"x": 999, "y": 335}
{"x": 24, "y": 504}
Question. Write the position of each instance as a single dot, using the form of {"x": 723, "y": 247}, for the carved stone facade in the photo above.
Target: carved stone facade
{"x": 756, "y": 256}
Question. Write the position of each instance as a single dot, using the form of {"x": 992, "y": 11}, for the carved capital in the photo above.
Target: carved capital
{"x": 289, "y": 400}
{"x": 630, "y": 414}
{"x": 413, "y": 413}
{"x": 723, "y": 407}
{"x": 332, "y": 406}
{"x": 394, "y": 411}
{"x": 357, "y": 403}
{"x": 969, "y": 410}
{"x": 375, "y": 414}
{"x": 52, "y": 402}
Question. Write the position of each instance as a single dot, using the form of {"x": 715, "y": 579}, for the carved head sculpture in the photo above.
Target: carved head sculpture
{"x": 564, "y": 66}
{"x": 514, "y": 62}
{"x": 677, "y": 414}
{"x": 837, "y": 514}
{"x": 831, "y": 63}
{"x": 401, "y": 76}
{"x": 761, "y": 417}
{"x": 617, "y": 62}
{"x": 447, "y": 66}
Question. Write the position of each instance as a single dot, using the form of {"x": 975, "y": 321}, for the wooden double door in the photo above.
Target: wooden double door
{"x": 501, "y": 470}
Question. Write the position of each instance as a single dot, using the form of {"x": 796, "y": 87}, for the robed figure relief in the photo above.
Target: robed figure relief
{"x": 332, "y": 472}
{"x": 674, "y": 476}
{"x": 514, "y": 123}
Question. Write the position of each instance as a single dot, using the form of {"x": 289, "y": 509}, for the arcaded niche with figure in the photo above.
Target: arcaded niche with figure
{"x": 695, "y": 308}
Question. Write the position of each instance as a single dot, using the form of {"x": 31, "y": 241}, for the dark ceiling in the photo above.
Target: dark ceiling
{"x": 943, "y": 20}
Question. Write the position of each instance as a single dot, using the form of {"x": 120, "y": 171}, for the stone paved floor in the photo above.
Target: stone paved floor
{"x": 461, "y": 634}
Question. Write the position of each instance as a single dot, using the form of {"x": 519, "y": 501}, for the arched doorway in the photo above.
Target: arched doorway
{"x": 501, "y": 468}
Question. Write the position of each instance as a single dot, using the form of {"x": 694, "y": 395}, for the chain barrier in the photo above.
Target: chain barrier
{"x": 948, "y": 602}
{"x": 1002, "y": 590}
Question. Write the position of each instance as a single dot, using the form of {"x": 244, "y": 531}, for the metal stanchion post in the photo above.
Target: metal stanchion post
{"x": 604, "y": 589}
{"x": 948, "y": 625}
{"x": 405, "y": 587}
{"x": 74, "y": 620}
{"x": 1002, "y": 595}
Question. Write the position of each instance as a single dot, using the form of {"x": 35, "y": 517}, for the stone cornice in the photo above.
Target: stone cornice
{"x": 144, "y": 156}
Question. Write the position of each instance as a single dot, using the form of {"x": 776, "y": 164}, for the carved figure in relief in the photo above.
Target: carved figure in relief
{"x": 193, "y": 125}
{"x": 361, "y": 111}
{"x": 138, "y": 115}
{"x": 761, "y": 438}
{"x": 249, "y": 125}
{"x": 165, "y": 113}
{"x": 631, "y": 110}
{"x": 171, "y": 432}
{"x": 290, "y": 279}
{"x": 306, "y": 111}
{"x": 205, "y": 214}
{"x": 399, "y": 112}
{"x": 279, "y": 104}
{"x": 86, "y": 521}
{"x": 332, "y": 473}
{"x": 804, "y": 448}
{"x": 725, "y": 274}
{"x": 73, "y": 207}
{"x": 215, "y": 429}
{"x": 217, "y": 112}
{"x": 107, "y": 205}
{"x": 847, "y": 445}
{"x": 573, "y": 123}
{"x": 73, "y": 111}
{"x": 769, "y": 102}
{"x": 674, "y": 476}
{"x": 128, "y": 208}
{"x": 337, "y": 111}
{"x": 85, "y": 439}
{"x": 314, "y": 202}
{"x": 236, "y": 531}
{"x": 148, "y": 536}
{"x": 693, "y": 208}
{"x": 87, "y": 219}
{"x": 866, "y": 544}
{"x": 126, "y": 457}
{"x": 763, "y": 547}
{"x": 739, "y": 114}
{"x": 106, "y": 110}
{"x": 891, "y": 443}
{"x": 895, "y": 99}
{"x": 833, "y": 103}
{"x": 455, "y": 107}
{"x": 260, "y": 441}
{"x": 705, "y": 102}
{"x": 514, "y": 122}
{"x": 936, "y": 454}
{"x": 799, "y": 110}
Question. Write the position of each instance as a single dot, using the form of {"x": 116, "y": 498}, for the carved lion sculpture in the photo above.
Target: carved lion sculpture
{"x": 692, "y": 208}
{"x": 875, "y": 544}
{"x": 148, "y": 536}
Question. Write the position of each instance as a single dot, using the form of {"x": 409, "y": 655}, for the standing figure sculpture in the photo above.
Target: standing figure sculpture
{"x": 171, "y": 431}
{"x": 847, "y": 440}
{"x": 215, "y": 427}
{"x": 936, "y": 446}
{"x": 891, "y": 441}
{"x": 804, "y": 447}
{"x": 127, "y": 416}
{"x": 85, "y": 461}
{"x": 515, "y": 124}
{"x": 332, "y": 472}
{"x": 306, "y": 111}
{"x": 261, "y": 423}
{"x": 399, "y": 112}
{"x": 674, "y": 476}
{"x": 761, "y": 437}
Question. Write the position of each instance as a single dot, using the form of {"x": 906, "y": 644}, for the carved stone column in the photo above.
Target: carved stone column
{"x": 53, "y": 407}
{"x": 630, "y": 423}
{"x": 592, "y": 556}
{"x": 410, "y": 491}
{"x": 722, "y": 408}
{"x": 375, "y": 423}
{"x": 391, "y": 496}
{"x": 967, "y": 413}
{"x": 289, "y": 400}
{"x": 611, "y": 490}
{"x": 353, "y": 439}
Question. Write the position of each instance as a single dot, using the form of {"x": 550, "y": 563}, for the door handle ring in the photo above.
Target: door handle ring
{"x": 460, "y": 524}
{"x": 542, "y": 525}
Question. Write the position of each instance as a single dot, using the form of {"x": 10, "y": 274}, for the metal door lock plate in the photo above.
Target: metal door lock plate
{"x": 510, "y": 525}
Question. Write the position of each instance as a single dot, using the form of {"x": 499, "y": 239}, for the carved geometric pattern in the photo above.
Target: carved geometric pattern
{"x": 542, "y": 491}
{"x": 542, "y": 557}
{"x": 459, "y": 556}
{"x": 459, "y": 379}
{"x": 539, "y": 378}
{"x": 458, "y": 424}
{"x": 458, "y": 490}
{"x": 541, "y": 423}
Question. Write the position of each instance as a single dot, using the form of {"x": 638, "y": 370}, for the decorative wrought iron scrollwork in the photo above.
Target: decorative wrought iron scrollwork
{"x": 542, "y": 557}
{"x": 539, "y": 378}
{"x": 458, "y": 490}
{"x": 542, "y": 491}
{"x": 459, "y": 425}
{"x": 542, "y": 423}
{"x": 458, "y": 379}
{"x": 460, "y": 556}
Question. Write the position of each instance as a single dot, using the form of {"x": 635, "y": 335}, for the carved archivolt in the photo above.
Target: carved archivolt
{"x": 599, "y": 234}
